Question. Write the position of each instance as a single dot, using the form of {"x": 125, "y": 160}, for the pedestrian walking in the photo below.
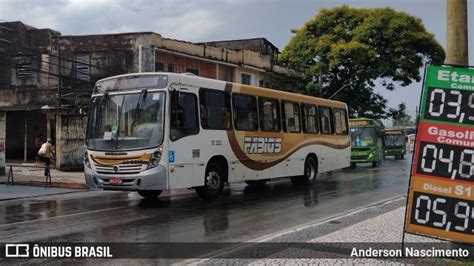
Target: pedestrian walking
{"x": 46, "y": 152}
{"x": 39, "y": 141}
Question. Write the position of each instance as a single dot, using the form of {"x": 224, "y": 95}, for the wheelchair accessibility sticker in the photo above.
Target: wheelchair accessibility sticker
{"x": 171, "y": 156}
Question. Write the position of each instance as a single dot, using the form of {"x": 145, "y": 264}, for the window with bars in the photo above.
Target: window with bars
{"x": 83, "y": 67}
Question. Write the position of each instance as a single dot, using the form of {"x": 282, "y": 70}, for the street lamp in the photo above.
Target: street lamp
{"x": 343, "y": 86}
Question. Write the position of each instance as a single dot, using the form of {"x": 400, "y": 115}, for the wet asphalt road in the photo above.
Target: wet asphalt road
{"x": 242, "y": 214}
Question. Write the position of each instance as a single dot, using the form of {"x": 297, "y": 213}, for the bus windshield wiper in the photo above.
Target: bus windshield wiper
{"x": 138, "y": 108}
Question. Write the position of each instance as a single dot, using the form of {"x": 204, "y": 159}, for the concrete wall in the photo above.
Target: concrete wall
{"x": 255, "y": 75}
{"x": 25, "y": 98}
{"x": 181, "y": 63}
{"x": 2, "y": 142}
{"x": 239, "y": 57}
{"x": 70, "y": 135}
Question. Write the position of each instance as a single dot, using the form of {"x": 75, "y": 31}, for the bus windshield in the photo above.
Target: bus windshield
{"x": 394, "y": 140}
{"x": 126, "y": 121}
{"x": 363, "y": 136}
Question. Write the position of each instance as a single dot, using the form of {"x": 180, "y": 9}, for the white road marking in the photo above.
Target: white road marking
{"x": 63, "y": 216}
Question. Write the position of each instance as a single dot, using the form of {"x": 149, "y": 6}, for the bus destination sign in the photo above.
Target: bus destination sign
{"x": 440, "y": 197}
{"x": 359, "y": 123}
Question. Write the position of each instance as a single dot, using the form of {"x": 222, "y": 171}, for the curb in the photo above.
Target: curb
{"x": 54, "y": 184}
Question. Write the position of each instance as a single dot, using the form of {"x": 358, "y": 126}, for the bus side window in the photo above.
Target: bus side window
{"x": 245, "y": 112}
{"x": 310, "y": 118}
{"x": 215, "y": 109}
{"x": 184, "y": 115}
{"x": 291, "y": 116}
{"x": 269, "y": 114}
{"x": 325, "y": 120}
{"x": 340, "y": 121}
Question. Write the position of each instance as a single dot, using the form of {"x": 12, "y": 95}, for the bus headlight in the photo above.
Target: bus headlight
{"x": 154, "y": 160}
{"x": 86, "y": 161}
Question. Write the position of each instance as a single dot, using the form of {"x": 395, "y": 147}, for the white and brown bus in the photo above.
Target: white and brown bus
{"x": 149, "y": 132}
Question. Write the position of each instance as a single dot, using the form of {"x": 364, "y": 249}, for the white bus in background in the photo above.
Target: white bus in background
{"x": 411, "y": 142}
{"x": 150, "y": 132}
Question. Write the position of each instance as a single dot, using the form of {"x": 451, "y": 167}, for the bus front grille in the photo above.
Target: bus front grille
{"x": 359, "y": 158}
{"x": 119, "y": 169}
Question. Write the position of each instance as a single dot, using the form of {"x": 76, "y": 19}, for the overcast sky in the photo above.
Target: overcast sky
{"x": 206, "y": 20}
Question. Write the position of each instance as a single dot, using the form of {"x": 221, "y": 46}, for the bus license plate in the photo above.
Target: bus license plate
{"x": 115, "y": 181}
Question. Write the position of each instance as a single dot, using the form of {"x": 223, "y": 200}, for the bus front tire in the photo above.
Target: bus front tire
{"x": 310, "y": 172}
{"x": 149, "y": 194}
{"x": 213, "y": 182}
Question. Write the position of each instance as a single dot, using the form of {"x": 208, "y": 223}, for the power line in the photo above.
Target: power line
{"x": 69, "y": 93}
{"x": 36, "y": 70}
{"x": 66, "y": 68}
{"x": 74, "y": 39}
{"x": 62, "y": 58}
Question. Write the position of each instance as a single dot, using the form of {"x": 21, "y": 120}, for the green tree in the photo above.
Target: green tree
{"x": 358, "y": 48}
{"x": 400, "y": 117}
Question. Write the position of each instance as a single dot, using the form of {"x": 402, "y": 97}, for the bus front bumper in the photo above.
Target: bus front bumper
{"x": 395, "y": 152}
{"x": 152, "y": 179}
{"x": 364, "y": 157}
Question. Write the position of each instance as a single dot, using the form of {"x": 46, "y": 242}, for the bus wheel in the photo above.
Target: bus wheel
{"x": 353, "y": 165}
{"x": 149, "y": 194}
{"x": 374, "y": 164}
{"x": 256, "y": 183}
{"x": 310, "y": 172}
{"x": 213, "y": 183}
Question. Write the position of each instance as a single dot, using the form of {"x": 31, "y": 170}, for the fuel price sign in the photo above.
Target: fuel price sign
{"x": 441, "y": 193}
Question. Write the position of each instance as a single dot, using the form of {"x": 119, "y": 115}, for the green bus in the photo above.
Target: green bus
{"x": 394, "y": 143}
{"x": 366, "y": 141}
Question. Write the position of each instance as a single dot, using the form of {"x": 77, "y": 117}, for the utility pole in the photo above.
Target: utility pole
{"x": 456, "y": 32}
{"x": 456, "y": 44}
{"x": 59, "y": 76}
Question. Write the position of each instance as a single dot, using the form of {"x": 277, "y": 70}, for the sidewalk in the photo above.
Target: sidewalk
{"x": 378, "y": 227}
{"x": 35, "y": 177}
{"x": 22, "y": 192}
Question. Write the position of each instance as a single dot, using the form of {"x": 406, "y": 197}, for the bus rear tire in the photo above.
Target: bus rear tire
{"x": 256, "y": 183}
{"x": 213, "y": 182}
{"x": 149, "y": 194}
{"x": 375, "y": 164}
{"x": 310, "y": 172}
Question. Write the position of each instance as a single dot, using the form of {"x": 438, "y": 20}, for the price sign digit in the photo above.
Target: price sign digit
{"x": 426, "y": 214}
{"x": 434, "y": 103}
{"x": 430, "y": 154}
{"x": 466, "y": 164}
{"x": 471, "y": 106}
{"x": 439, "y": 212}
{"x": 456, "y": 104}
{"x": 464, "y": 214}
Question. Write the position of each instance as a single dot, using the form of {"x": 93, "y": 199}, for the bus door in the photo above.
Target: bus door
{"x": 328, "y": 158}
{"x": 341, "y": 129}
{"x": 183, "y": 152}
